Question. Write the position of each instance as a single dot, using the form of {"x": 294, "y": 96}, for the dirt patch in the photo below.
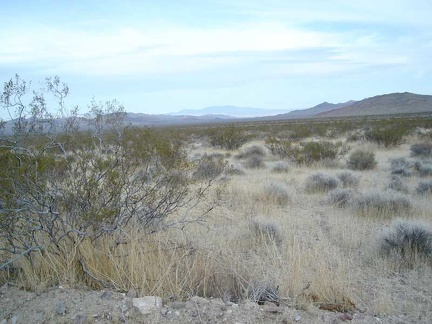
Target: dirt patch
{"x": 69, "y": 305}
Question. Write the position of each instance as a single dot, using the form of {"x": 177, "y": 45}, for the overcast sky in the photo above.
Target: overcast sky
{"x": 161, "y": 56}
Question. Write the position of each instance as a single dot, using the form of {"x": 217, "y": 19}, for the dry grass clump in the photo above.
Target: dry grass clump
{"x": 348, "y": 179}
{"x": 381, "y": 203}
{"x": 401, "y": 166}
{"x": 233, "y": 170}
{"x": 210, "y": 166}
{"x": 254, "y": 150}
{"x": 275, "y": 193}
{"x": 361, "y": 160}
{"x": 319, "y": 182}
{"x": 281, "y": 167}
{"x": 421, "y": 149}
{"x": 262, "y": 292}
{"x": 407, "y": 241}
{"x": 423, "y": 168}
{"x": 340, "y": 197}
{"x": 424, "y": 187}
{"x": 397, "y": 184}
{"x": 266, "y": 231}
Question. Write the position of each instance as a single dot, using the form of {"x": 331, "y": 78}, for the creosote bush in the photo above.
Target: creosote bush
{"x": 306, "y": 152}
{"x": 381, "y": 203}
{"x": 407, "y": 241}
{"x": 62, "y": 187}
{"x": 320, "y": 182}
{"x": 387, "y": 136}
{"x": 361, "y": 160}
{"x": 230, "y": 137}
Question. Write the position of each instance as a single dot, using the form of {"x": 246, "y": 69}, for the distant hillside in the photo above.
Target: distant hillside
{"x": 139, "y": 119}
{"x": 233, "y": 111}
{"x": 394, "y": 103}
{"x": 311, "y": 112}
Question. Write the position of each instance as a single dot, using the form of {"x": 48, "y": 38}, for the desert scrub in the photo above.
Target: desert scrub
{"x": 266, "y": 231}
{"x": 401, "y": 166}
{"x": 281, "y": 167}
{"x": 381, "y": 203}
{"x": 340, "y": 197}
{"x": 397, "y": 184}
{"x": 254, "y": 150}
{"x": 361, "y": 160}
{"x": 306, "y": 152}
{"x": 407, "y": 241}
{"x": 233, "y": 170}
{"x": 229, "y": 137}
{"x": 424, "y": 169}
{"x": 319, "y": 182}
{"x": 348, "y": 179}
{"x": 254, "y": 162}
{"x": 424, "y": 187}
{"x": 421, "y": 149}
{"x": 210, "y": 167}
{"x": 275, "y": 193}
{"x": 388, "y": 136}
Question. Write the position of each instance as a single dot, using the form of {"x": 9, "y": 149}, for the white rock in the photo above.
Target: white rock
{"x": 147, "y": 304}
{"x": 297, "y": 318}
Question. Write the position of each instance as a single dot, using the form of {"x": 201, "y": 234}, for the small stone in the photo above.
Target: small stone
{"x": 229, "y": 311}
{"x": 199, "y": 300}
{"x": 13, "y": 320}
{"x": 273, "y": 309}
{"x": 346, "y": 317}
{"x": 132, "y": 293}
{"x": 297, "y": 318}
{"x": 4, "y": 289}
{"x": 107, "y": 294}
{"x": 60, "y": 308}
{"x": 147, "y": 304}
{"x": 177, "y": 305}
{"x": 80, "y": 319}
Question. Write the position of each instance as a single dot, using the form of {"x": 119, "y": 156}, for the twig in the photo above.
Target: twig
{"x": 21, "y": 255}
{"x": 103, "y": 283}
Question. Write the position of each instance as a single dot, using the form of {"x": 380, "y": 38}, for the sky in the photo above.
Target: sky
{"x": 163, "y": 56}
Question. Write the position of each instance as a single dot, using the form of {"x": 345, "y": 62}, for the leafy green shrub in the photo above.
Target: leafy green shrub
{"x": 340, "y": 197}
{"x": 307, "y": 152}
{"x": 407, "y": 241}
{"x": 388, "y": 136}
{"x": 229, "y": 137}
{"x": 421, "y": 149}
{"x": 361, "y": 160}
{"x": 320, "y": 182}
{"x": 424, "y": 187}
{"x": 281, "y": 167}
{"x": 348, "y": 179}
{"x": 381, "y": 202}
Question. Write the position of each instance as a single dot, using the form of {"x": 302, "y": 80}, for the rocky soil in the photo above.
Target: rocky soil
{"x": 70, "y": 305}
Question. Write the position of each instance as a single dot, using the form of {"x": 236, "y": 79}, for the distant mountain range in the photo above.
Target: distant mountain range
{"x": 394, "y": 103}
{"x": 231, "y": 111}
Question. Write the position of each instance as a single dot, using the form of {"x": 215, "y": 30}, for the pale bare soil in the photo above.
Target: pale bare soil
{"x": 318, "y": 257}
